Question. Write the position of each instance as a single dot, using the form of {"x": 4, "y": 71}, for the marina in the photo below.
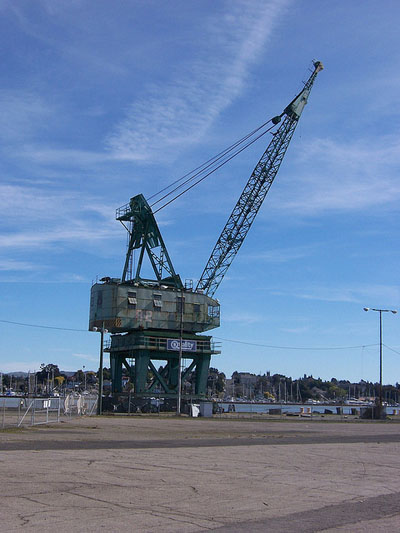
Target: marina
{"x": 302, "y": 409}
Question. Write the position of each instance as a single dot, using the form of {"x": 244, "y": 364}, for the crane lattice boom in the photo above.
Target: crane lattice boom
{"x": 254, "y": 193}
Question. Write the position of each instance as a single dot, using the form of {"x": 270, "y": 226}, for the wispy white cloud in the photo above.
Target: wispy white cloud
{"x": 281, "y": 255}
{"x": 48, "y": 29}
{"x": 53, "y": 8}
{"x": 296, "y": 330}
{"x": 371, "y": 295}
{"x": 85, "y": 357}
{"x": 45, "y": 218}
{"x": 178, "y": 112}
{"x": 243, "y": 318}
{"x": 32, "y": 201}
{"x": 73, "y": 278}
{"x": 15, "y": 265}
{"x": 69, "y": 157}
{"x": 22, "y": 114}
{"x": 51, "y": 237}
{"x": 345, "y": 176}
{"x": 20, "y": 366}
{"x": 21, "y": 202}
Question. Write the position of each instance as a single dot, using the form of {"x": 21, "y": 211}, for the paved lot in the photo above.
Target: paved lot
{"x": 187, "y": 475}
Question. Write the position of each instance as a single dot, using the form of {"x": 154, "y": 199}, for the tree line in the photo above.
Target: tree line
{"x": 242, "y": 385}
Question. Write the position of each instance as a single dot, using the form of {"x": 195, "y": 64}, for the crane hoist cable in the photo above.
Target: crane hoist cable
{"x": 211, "y": 166}
{"x": 209, "y": 162}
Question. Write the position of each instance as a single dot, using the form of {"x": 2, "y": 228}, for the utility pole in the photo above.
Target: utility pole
{"x": 100, "y": 400}
{"x": 380, "y": 311}
{"x": 178, "y": 403}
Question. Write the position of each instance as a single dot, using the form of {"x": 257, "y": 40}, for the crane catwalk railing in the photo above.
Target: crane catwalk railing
{"x": 160, "y": 344}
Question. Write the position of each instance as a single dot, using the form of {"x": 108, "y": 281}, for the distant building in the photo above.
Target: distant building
{"x": 246, "y": 378}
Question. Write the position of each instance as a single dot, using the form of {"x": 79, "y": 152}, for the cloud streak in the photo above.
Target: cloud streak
{"x": 14, "y": 265}
{"x": 361, "y": 294}
{"x": 22, "y": 114}
{"x": 345, "y": 176}
{"x": 178, "y": 112}
{"x": 46, "y": 218}
{"x": 281, "y": 255}
{"x": 85, "y": 357}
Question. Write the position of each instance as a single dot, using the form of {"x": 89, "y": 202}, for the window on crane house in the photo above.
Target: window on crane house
{"x": 196, "y": 308}
{"x": 157, "y": 301}
{"x": 132, "y": 301}
{"x": 213, "y": 311}
{"x": 99, "y": 299}
{"x": 180, "y": 304}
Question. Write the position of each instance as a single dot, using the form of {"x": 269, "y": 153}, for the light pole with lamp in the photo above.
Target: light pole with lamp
{"x": 100, "y": 400}
{"x": 380, "y": 311}
{"x": 179, "y": 398}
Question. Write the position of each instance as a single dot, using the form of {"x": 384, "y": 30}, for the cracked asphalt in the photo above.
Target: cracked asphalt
{"x": 173, "y": 474}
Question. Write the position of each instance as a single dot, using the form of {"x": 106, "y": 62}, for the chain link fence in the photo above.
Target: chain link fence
{"x": 22, "y": 411}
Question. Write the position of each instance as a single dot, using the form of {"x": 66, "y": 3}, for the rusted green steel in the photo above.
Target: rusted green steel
{"x": 141, "y": 353}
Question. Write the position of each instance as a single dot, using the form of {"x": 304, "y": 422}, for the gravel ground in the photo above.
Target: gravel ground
{"x": 172, "y": 474}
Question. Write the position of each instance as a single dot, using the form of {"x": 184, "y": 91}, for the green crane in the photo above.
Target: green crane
{"x": 153, "y": 320}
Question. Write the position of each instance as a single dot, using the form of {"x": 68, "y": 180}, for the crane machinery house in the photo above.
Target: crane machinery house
{"x": 159, "y": 319}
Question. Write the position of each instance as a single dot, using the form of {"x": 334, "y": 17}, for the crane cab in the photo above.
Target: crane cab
{"x": 124, "y": 307}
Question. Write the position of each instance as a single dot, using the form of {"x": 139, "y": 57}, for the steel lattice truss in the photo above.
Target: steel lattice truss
{"x": 144, "y": 235}
{"x": 254, "y": 193}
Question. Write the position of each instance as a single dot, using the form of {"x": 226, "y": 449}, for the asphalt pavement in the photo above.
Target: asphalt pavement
{"x": 173, "y": 474}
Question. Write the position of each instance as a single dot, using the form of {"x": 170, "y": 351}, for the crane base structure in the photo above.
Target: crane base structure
{"x": 152, "y": 362}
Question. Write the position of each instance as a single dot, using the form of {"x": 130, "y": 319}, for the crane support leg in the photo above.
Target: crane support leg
{"x": 116, "y": 362}
{"x": 202, "y": 368}
{"x": 156, "y": 367}
{"x": 142, "y": 359}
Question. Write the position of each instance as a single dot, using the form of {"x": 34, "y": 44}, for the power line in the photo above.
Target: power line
{"x": 40, "y": 326}
{"x": 297, "y": 347}
{"x": 218, "y": 338}
{"x": 392, "y": 349}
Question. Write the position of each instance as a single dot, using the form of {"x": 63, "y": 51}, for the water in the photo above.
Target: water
{"x": 249, "y": 407}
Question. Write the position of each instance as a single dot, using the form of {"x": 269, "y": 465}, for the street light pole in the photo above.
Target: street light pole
{"x": 179, "y": 398}
{"x": 380, "y": 358}
{"x": 100, "y": 399}
{"x": 380, "y": 311}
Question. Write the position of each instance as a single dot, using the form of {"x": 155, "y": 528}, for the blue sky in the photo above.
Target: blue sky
{"x": 101, "y": 101}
